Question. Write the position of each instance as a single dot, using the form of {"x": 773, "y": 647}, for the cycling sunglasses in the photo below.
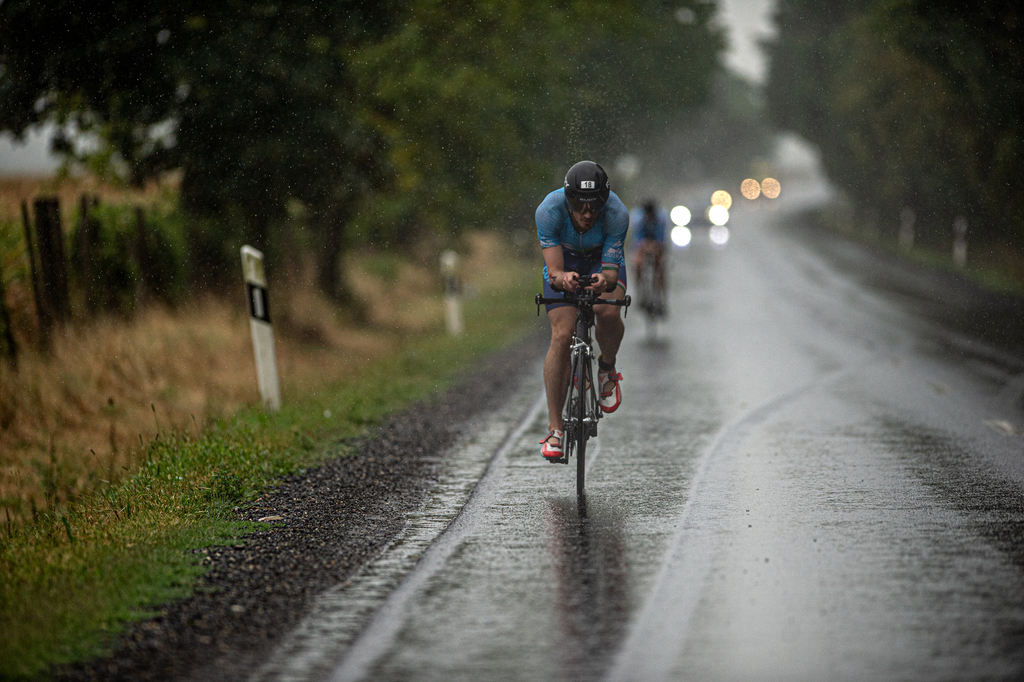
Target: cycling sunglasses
{"x": 578, "y": 204}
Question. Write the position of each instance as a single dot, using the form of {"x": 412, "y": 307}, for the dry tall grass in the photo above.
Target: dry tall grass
{"x": 74, "y": 419}
{"x": 15, "y": 189}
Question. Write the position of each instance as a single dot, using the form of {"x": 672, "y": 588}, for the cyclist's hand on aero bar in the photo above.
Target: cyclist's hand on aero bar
{"x": 598, "y": 282}
{"x": 568, "y": 281}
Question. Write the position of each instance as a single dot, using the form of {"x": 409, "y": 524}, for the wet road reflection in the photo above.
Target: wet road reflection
{"x": 803, "y": 482}
{"x": 591, "y": 598}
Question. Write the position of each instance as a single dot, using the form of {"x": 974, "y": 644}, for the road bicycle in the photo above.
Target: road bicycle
{"x": 582, "y": 410}
{"x": 652, "y": 298}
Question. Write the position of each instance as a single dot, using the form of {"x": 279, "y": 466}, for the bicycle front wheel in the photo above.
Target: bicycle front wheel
{"x": 582, "y": 378}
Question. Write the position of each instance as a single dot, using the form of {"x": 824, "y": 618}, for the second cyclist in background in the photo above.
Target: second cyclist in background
{"x": 649, "y": 225}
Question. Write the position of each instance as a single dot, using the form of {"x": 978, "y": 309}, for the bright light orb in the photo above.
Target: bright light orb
{"x": 680, "y": 215}
{"x": 722, "y": 198}
{"x": 719, "y": 235}
{"x": 750, "y": 189}
{"x": 719, "y": 215}
{"x": 771, "y": 188}
{"x": 681, "y": 236}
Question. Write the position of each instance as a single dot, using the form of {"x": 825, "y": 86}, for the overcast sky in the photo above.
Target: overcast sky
{"x": 747, "y": 23}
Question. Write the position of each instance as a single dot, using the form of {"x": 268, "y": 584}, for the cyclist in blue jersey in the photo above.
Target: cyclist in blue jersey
{"x": 582, "y": 228}
{"x": 650, "y": 231}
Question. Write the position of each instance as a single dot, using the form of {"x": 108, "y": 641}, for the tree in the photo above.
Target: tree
{"x": 481, "y": 103}
{"x": 387, "y": 119}
{"x": 100, "y": 68}
{"x": 911, "y": 103}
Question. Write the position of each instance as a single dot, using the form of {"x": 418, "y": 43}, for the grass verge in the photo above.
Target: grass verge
{"x": 75, "y": 574}
{"x": 994, "y": 267}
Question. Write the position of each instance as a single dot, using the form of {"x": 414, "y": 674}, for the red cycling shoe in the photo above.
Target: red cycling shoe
{"x": 551, "y": 450}
{"x": 611, "y": 398}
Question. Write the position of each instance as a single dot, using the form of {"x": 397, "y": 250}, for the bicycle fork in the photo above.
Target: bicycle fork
{"x": 582, "y": 352}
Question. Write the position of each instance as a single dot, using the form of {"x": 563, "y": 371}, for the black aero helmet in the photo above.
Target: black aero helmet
{"x": 586, "y": 184}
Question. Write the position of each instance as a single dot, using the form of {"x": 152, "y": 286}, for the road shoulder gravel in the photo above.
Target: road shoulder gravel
{"x": 335, "y": 520}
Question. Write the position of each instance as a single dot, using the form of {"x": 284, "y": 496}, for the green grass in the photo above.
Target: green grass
{"x": 988, "y": 270}
{"x": 74, "y": 577}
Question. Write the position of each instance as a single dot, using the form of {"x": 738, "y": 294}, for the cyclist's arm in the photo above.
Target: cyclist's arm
{"x": 560, "y": 279}
{"x": 616, "y": 226}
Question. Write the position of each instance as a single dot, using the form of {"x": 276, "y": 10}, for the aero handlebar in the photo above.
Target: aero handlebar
{"x": 583, "y": 297}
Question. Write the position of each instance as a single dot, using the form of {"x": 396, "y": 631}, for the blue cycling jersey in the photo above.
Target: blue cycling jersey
{"x": 554, "y": 228}
{"x": 643, "y": 228}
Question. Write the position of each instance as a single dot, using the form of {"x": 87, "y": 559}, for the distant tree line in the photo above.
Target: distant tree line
{"x": 375, "y": 121}
{"x": 913, "y": 103}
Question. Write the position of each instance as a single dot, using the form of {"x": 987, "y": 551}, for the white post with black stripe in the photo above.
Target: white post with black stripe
{"x": 259, "y": 324}
{"x": 452, "y": 292}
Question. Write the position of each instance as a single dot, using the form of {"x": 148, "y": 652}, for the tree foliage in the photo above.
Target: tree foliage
{"x": 482, "y": 104}
{"x": 384, "y": 120}
{"x": 912, "y": 103}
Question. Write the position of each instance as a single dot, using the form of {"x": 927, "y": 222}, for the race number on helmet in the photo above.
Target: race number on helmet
{"x": 586, "y": 184}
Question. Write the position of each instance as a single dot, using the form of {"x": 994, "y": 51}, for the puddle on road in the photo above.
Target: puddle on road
{"x": 592, "y": 595}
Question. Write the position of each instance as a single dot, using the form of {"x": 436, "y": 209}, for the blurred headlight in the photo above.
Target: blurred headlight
{"x": 680, "y": 215}
{"x": 750, "y": 189}
{"x": 719, "y": 215}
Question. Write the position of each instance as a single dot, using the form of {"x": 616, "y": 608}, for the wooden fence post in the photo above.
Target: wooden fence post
{"x": 10, "y": 347}
{"x": 51, "y": 257}
{"x": 43, "y": 313}
{"x": 142, "y": 258}
{"x": 84, "y": 237}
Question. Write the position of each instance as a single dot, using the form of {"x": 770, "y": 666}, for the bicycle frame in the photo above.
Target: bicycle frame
{"x": 582, "y": 411}
{"x": 582, "y": 353}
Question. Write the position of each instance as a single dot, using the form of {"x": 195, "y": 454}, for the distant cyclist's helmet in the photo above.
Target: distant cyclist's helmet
{"x": 586, "y": 184}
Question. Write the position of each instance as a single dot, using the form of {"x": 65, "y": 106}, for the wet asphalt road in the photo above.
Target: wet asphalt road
{"x": 807, "y": 480}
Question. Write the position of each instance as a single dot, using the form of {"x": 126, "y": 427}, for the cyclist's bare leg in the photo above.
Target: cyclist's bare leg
{"x": 659, "y": 269}
{"x": 638, "y": 264}
{"x": 557, "y": 365}
{"x": 609, "y": 327}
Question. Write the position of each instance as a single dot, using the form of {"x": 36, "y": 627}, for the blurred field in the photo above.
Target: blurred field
{"x": 15, "y": 189}
{"x": 77, "y": 419}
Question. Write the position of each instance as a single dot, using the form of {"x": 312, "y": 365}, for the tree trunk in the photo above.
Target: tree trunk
{"x": 329, "y": 226}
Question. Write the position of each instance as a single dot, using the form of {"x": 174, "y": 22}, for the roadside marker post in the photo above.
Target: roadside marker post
{"x": 452, "y": 292}
{"x": 259, "y": 325}
{"x": 960, "y": 241}
{"x": 907, "y": 219}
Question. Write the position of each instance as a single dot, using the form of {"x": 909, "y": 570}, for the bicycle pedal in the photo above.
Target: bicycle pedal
{"x": 558, "y": 460}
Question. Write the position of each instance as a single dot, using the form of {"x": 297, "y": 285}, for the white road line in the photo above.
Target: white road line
{"x": 380, "y": 634}
{"x": 658, "y": 632}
